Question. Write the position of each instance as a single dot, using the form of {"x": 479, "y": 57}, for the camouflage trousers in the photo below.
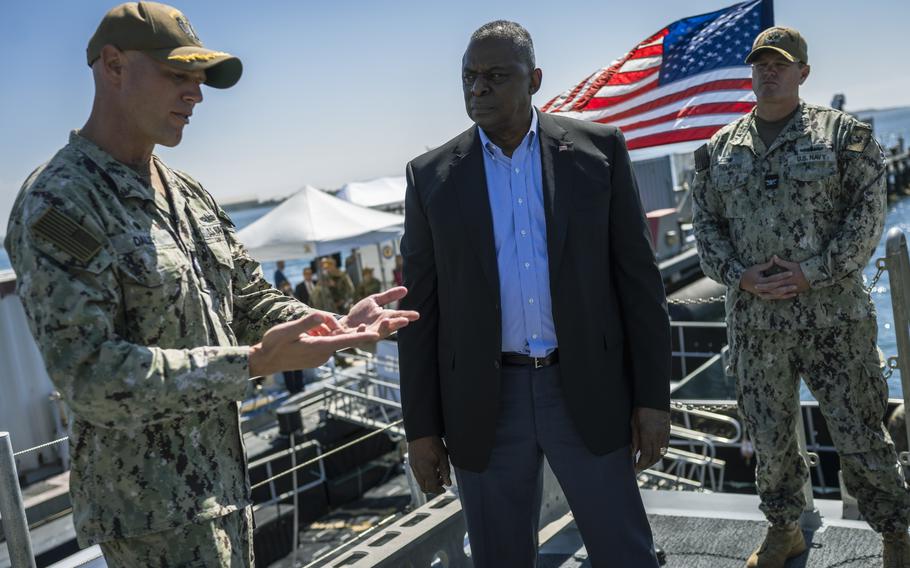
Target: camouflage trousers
{"x": 841, "y": 367}
{"x": 223, "y": 541}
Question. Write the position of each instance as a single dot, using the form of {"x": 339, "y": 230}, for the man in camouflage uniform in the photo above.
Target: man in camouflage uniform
{"x": 790, "y": 204}
{"x": 149, "y": 314}
{"x": 337, "y": 283}
{"x": 368, "y": 285}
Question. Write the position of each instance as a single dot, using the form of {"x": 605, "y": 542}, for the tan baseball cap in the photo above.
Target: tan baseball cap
{"x": 163, "y": 33}
{"x": 786, "y": 41}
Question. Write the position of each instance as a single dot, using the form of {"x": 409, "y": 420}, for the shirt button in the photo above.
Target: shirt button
{"x": 517, "y": 170}
{"x": 495, "y": 364}
{"x": 524, "y": 233}
{"x": 520, "y": 201}
{"x": 527, "y": 265}
{"x": 534, "y": 336}
{"x": 530, "y": 300}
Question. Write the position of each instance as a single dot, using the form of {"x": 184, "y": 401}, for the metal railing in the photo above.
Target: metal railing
{"x": 683, "y": 353}
{"x": 364, "y": 399}
{"x": 897, "y": 263}
{"x": 12, "y": 509}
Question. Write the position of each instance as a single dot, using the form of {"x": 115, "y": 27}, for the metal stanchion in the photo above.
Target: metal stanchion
{"x": 295, "y": 542}
{"x": 898, "y": 265}
{"x": 15, "y": 525}
{"x": 810, "y": 519}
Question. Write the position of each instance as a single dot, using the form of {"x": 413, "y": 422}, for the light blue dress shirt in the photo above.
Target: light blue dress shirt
{"x": 515, "y": 189}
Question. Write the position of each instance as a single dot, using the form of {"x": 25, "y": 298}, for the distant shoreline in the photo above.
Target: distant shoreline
{"x": 245, "y": 204}
{"x": 887, "y": 109}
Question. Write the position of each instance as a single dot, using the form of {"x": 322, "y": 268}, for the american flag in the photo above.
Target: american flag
{"x": 681, "y": 84}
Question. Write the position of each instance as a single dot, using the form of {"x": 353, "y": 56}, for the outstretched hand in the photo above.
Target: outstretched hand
{"x": 369, "y": 315}
{"x": 303, "y": 343}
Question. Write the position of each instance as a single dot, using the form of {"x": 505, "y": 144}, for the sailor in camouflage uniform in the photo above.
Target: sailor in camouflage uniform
{"x": 149, "y": 314}
{"x": 789, "y": 206}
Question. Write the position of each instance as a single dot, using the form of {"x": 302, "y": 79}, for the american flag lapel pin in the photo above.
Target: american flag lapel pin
{"x": 563, "y": 147}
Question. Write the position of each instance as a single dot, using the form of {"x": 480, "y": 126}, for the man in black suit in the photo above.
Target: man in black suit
{"x": 525, "y": 347}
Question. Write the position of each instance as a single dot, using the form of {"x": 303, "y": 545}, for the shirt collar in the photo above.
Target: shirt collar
{"x": 529, "y": 138}
{"x": 127, "y": 181}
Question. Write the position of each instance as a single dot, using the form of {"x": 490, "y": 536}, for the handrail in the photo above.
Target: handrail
{"x": 897, "y": 263}
{"x": 726, "y": 420}
{"x": 12, "y": 509}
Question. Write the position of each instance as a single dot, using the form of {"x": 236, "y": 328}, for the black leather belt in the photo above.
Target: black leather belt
{"x": 519, "y": 360}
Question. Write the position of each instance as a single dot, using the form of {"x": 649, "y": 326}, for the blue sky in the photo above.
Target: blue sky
{"x": 342, "y": 90}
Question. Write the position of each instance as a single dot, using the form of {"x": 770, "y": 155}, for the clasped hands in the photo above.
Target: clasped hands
{"x": 309, "y": 341}
{"x": 776, "y": 279}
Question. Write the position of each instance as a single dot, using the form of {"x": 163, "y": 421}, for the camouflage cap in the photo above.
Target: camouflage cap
{"x": 163, "y": 33}
{"x": 786, "y": 41}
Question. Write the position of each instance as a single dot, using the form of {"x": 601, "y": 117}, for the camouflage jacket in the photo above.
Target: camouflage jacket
{"x": 341, "y": 289}
{"x": 365, "y": 289}
{"x": 817, "y": 196}
{"x": 138, "y": 317}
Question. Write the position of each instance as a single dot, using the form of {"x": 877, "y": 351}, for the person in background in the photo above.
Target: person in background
{"x": 352, "y": 267}
{"x": 397, "y": 272}
{"x": 279, "y": 277}
{"x": 368, "y": 285}
{"x": 303, "y": 290}
{"x": 337, "y": 283}
{"x": 789, "y": 205}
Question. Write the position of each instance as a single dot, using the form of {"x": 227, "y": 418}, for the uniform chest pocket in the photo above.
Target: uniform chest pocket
{"x": 221, "y": 275}
{"x": 150, "y": 260}
{"x": 221, "y": 253}
{"x": 731, "y": 183}
{"x": 813, "y": 182}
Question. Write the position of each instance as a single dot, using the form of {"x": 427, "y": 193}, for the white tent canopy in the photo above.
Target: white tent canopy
{"x": 379, "y": 192}
{"x": 312, "y": 223}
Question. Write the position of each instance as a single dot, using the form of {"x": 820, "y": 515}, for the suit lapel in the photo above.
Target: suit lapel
{"x": 556, "y": 156}
{"x": 470, "y": 185}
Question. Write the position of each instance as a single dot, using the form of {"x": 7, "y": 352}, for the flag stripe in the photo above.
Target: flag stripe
{"x": 673, "y": 136}
{"x": 683, "y": 124}
{"x": 676, "y": 90}
{"x": 656, "y": 48}
{"x": 655, "y": 108}
{"x": 556, "y": 103}
{"x": 741, "y": 87}
{"x": 632, "y": 77}
{"x": 654, "y": 93}
{"x": 735, "y": 108}
{"x": 606, "y": 95}
{"x": 640, "y": 64}
{"x": 718, "y": 75}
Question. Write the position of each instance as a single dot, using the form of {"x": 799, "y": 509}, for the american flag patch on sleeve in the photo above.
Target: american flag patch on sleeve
{"x": 67, "y": 235}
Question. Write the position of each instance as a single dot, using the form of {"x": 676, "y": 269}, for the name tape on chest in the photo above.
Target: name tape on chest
{"x": 67, "y": 235}
{"x": 211, "y": 233}
{"x": 153, "y": 237}
{"x": 813, "y": 156}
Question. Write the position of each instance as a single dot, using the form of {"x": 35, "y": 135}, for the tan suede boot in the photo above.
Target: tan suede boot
{"x": 896, "y": 550}
{"x": 781, "y": 543}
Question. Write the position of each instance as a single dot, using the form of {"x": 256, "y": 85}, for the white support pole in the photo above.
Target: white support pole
{"x": 15, "y": 524}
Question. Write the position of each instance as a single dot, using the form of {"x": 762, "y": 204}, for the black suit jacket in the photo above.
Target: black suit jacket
{"x": 608, "y": 300}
